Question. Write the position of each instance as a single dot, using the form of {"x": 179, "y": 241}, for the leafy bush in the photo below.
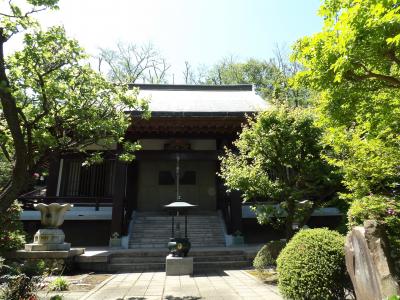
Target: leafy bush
{"x": 11, "y": 233}
{"x": 268, "y": 254}
{"x": 59, "y": 284}
{"x": 21, "y": 281}
{"x": 386, "y": 211}
{"x": 312, "y": 266}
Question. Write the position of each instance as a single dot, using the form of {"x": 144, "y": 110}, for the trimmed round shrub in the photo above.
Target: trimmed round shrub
{"x": 312, "y": 266}
{"x": 268, "y": 254}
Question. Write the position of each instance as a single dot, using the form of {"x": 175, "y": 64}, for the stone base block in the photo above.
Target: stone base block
{"x": 178, "y": 265}
{"x": 57, "y": 261}
{"x": 48, "y": 247}
{"x": 49, "y": 236}
{"x": 61, "y": 254}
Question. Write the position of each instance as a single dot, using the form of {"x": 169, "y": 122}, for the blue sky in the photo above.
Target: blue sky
{"x": 201, "y": 31}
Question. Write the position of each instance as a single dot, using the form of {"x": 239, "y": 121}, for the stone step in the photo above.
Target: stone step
{"x": 164, "y": 246}
{"x": 153, "y": 231}
{"x": 161, "y": 259}
{"x": 167, "y": 237}
{"x": 191, "y": 237}
{"x": 169, "y": 221}
{"x": 193, "y": 252}
{"x": 182, "y": 232}
{"x": 197, "y": 266}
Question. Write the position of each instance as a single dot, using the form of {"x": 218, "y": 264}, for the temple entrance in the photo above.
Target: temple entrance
{"x": 157, "y": 184}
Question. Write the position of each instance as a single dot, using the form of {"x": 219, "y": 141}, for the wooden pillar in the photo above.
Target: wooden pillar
{"x": 52, "y": 178}
{"x": 236, "y": 211}
{"x": 131, "y": 186}
{"x": 118, "y": 197}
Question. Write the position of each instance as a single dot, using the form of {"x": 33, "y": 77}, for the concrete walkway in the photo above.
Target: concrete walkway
{"x": 230, "y": 285}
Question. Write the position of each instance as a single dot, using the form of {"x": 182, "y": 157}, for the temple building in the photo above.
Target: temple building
{"x": 189, "y": 127}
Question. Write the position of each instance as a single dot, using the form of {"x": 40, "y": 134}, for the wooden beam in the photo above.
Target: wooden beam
{"x": 171, "y": 155}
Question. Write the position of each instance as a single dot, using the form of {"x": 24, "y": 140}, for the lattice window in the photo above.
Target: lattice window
{"x": 87, "y": 181}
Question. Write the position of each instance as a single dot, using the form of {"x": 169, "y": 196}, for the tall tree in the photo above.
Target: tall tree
{"x": 12, "y": 21}
{"x": 52, "y": 101}
{"x": 130, "y": 63}
{"x": 272, "y": 79}
{"x": 354, "y": 64}
{"x": 278, "y": 160}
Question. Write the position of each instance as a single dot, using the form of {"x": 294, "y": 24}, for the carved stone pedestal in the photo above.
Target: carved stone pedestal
{"x": 50, "y": 239}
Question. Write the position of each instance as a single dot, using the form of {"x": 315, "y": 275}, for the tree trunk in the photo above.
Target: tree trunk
{"x": 289, "y": 219}
{"x": 9, "y": 107}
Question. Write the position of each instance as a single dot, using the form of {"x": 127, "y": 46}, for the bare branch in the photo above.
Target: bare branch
{"x": 130, "y": 63}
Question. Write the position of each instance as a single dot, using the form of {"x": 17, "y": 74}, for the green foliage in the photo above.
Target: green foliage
{"x": 278, "y": 159}
{"x": 21, "y": 281}
{"x": 56, "y": 297}
{"x": 268, "y": 254}
{"x": 394, "y": 297}
{"x": 63, "y": 104}
{"x": 59, "y": 284}
{"x": 52, "y": 100}
{"x": 11, "y": 233}
{"x": 70, "y": 104}
{"x": 16, "y": 18}
{"x": 271, "y": 78}
{"x": 312, "y": 266}
{"x": 383, "y": 209}
{"x": 354, "y": 65}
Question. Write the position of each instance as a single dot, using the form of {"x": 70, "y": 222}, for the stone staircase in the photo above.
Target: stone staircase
{"x": 150, "y": 260}
{"x": 150, "y": 234}
{"x": 154, "y": 231}
{"x": 204, "y": 260}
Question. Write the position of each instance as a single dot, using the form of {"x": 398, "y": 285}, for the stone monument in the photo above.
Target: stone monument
{"x": 50, "y": 238}
{"x": 369, "y": 264}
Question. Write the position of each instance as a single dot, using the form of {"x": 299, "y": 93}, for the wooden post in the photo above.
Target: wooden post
{"x": 236, "y": 211}
{"x": 132, "y": 186}
{"x": 118, "y": 197}
{"x": 52, "y": 179}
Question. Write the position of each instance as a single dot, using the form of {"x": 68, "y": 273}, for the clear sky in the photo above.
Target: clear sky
{"x": 198, "y": 31}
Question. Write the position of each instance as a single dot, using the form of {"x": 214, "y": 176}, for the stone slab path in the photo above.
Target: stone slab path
{"x": 236, "y": 284}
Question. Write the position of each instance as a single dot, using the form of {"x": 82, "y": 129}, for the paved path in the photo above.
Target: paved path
{"x": 155, "y": 285}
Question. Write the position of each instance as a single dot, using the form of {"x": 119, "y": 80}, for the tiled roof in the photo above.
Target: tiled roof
{"x": 201, "y": 99}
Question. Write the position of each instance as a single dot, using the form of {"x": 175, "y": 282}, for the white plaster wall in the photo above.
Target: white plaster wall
{"x": 76, "y": 213}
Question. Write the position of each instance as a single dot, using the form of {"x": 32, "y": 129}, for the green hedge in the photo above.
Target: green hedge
{"x": 312, "y": 266}
{"x": 268, "y": 254}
